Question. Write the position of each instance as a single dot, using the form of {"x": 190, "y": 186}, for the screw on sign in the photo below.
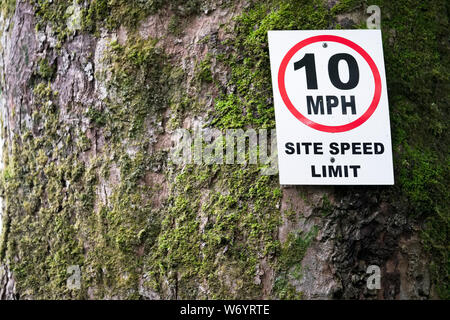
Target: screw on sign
{"x": 330, "y": 93}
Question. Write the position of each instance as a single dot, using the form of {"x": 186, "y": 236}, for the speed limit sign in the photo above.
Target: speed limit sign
{"x": 331, "y": 107}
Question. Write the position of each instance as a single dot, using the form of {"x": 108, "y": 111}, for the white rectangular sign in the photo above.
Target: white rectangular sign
{"x": 331, "y": 107}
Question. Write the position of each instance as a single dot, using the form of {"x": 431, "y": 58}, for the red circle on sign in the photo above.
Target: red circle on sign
{"x": 315, "y": 125}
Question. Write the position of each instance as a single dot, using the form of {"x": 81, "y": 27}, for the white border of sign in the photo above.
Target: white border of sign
{"x": 369, "y": 130}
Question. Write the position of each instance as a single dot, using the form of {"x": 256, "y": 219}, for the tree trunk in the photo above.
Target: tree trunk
{"x": 92, "y": 95}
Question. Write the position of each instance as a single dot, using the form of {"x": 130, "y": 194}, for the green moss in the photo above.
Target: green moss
{"x": 203, "y": 73}
{"x": 111, "y": 14}
{"x": 417, "y": 69}
{"x": 45, "y": 70}
{"x": 222, "y": 236}
{"x": 345, "y": 6}
{"x": 250, "y": 105}
{"x": 141, "y": 80}
{"x": 8, "y": 7}
{"x": 326, "y": 208}
{"x": 54, "y": 13}
{"x": 114, "y": 13}
{"x": 97, "y": 14}
{"x": 51, "y": 217}
{"x": 229, "y": 113}
{"x": 175, "y": 25}
{"x": 179, "y": 106}
{"x": 38, "y": 207}
{"x": 96, "y": 117}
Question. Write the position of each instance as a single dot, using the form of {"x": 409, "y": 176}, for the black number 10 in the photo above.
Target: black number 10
{"x": 309, "y": 62}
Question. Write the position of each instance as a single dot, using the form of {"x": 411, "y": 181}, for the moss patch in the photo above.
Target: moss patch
{"x": 141, "y": 78}
{"x": 220, "y": 221}
{"x": 43, "y": 198}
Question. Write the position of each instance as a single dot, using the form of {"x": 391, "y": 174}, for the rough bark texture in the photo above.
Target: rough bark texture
{"x": 91, "y": 92}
